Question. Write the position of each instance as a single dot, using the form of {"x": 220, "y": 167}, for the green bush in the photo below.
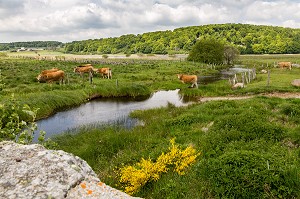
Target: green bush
{"x": 250, "y": 125}
{"x": 249, "y": 174}
{"x": 13, "y": 125}
{"x": 207, "y": 50}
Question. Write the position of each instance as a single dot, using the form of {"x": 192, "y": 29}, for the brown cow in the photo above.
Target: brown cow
{"x": 84, "y": 69}
{"x": 283, "y": 65}
{"x": 49, "y": 71}
{"x": 85, "y": 65}
{"x": 52, "y": 76}
{"x": 188, "y": 79}
{"x": 105, "y": 72}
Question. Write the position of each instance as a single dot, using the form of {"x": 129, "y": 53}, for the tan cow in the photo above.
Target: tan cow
{"x": 188, "y": 79}
{"x": 283, "y": 65}
{"x": 85, "y": 65}
{"x": 84, "y": 69}
{"x": 52, "y": 77}
{"x": 49, "y": 71}
{"x": 105, "y": 72}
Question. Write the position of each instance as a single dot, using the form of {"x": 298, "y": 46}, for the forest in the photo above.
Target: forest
{"x": 31, "y": 44}
{"x": 249, "y": 39}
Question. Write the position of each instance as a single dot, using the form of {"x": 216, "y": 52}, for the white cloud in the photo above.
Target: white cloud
{"x": 70, "y": 20}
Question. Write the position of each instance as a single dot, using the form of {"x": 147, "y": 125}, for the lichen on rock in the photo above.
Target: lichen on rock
{"x": 32, "y": 171}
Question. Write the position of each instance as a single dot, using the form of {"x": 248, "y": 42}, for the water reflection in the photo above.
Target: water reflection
{"x": 221, "y": 75}
{"x": 107, "y": 110}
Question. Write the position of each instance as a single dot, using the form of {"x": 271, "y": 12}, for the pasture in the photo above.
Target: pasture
{"x": 131, "y": 77}
{"x": 249, "y": 148}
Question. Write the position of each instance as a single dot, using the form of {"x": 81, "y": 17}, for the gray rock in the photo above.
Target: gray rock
{"x": 296, "y": 82}
{"x": 31, "y": 171}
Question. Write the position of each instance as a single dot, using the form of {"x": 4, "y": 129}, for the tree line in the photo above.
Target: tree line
{"x": 248, "y": 39}
{"x": 30, "y": 44}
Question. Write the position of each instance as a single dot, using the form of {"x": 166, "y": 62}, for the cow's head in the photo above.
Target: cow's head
{"x": 179, "y": 76}
{"x": 41, "y": 78}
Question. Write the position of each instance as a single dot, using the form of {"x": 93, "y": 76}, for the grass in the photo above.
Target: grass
{"x": 249, "y": 148}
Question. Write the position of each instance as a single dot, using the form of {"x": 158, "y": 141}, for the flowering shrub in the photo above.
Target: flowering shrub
{"x": 136, "y": 176}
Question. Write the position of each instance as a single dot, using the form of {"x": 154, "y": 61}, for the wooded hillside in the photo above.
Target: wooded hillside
{"x": 250, "y": 39}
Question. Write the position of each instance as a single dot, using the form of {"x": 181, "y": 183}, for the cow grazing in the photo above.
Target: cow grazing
{"x": 85, "y": 65}
{"x": 188, "y": 79}
{"x": 283, "y": 65}
{"x": 52, "y": 77}
{"x": 84, "y": 69}
{"x": 49, "y": 71}
{"x": 105, "y": 72}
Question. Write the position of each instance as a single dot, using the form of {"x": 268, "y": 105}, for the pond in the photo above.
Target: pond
{"x": 221, "y": 75}
{"x": 101, "y": 111}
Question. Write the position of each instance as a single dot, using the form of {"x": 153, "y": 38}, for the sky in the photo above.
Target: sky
{"x": 75, "y": 20}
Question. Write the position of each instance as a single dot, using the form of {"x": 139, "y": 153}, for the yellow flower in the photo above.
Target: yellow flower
{"x": 136, "y": 176}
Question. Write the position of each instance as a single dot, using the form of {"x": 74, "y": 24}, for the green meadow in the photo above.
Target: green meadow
{"x": 247, "y": 148}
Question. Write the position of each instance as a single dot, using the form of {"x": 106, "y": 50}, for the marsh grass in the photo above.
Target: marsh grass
{"x": 248, "y": 150}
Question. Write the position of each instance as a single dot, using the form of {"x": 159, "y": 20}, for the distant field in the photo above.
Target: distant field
{"x": 52, "y": 55}
{"x": 269, "y": 59}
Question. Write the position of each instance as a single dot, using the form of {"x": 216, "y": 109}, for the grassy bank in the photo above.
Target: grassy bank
{"x": 249, "y": 149}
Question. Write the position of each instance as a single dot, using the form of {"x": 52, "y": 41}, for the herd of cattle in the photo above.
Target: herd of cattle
{"x": 56, "y": 74}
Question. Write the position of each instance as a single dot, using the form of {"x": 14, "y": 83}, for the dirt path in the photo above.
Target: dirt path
{"x": 279, "y": 95}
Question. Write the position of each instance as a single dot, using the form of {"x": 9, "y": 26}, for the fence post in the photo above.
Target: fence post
{"x": 68, "y": 80}
{"x": 268, "y": 81}
{"x": 254, "y": 73}
{"x": 91, "y": 77}
{"x": 243, "y": 78}
{"x": 249, "y": 76}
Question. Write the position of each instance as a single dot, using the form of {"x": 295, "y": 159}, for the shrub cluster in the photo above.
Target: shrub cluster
{"x": 136, "y": 176}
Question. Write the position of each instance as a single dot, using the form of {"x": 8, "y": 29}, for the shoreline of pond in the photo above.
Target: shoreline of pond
{"x": 107, "y": 110}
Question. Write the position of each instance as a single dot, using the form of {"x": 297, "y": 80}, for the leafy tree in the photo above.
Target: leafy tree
{"x": 230, "y": 54}
{"x": 207, "y": 50}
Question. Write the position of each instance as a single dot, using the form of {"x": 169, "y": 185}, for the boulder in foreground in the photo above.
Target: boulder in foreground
{"x": 31, "y": 171}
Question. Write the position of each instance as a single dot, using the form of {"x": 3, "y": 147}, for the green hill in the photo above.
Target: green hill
{"x": 250, "y": 39}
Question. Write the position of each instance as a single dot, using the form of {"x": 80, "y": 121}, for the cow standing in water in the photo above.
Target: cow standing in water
{"x": 105, "y": 72}
{"x": 283, "y": 65}
{"x": 188, "y": 79}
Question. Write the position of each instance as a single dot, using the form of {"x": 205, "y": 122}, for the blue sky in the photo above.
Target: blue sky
{"x": 70, "y": 20}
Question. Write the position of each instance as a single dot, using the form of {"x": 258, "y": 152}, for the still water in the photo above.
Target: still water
{"x": 106, "y": 110}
